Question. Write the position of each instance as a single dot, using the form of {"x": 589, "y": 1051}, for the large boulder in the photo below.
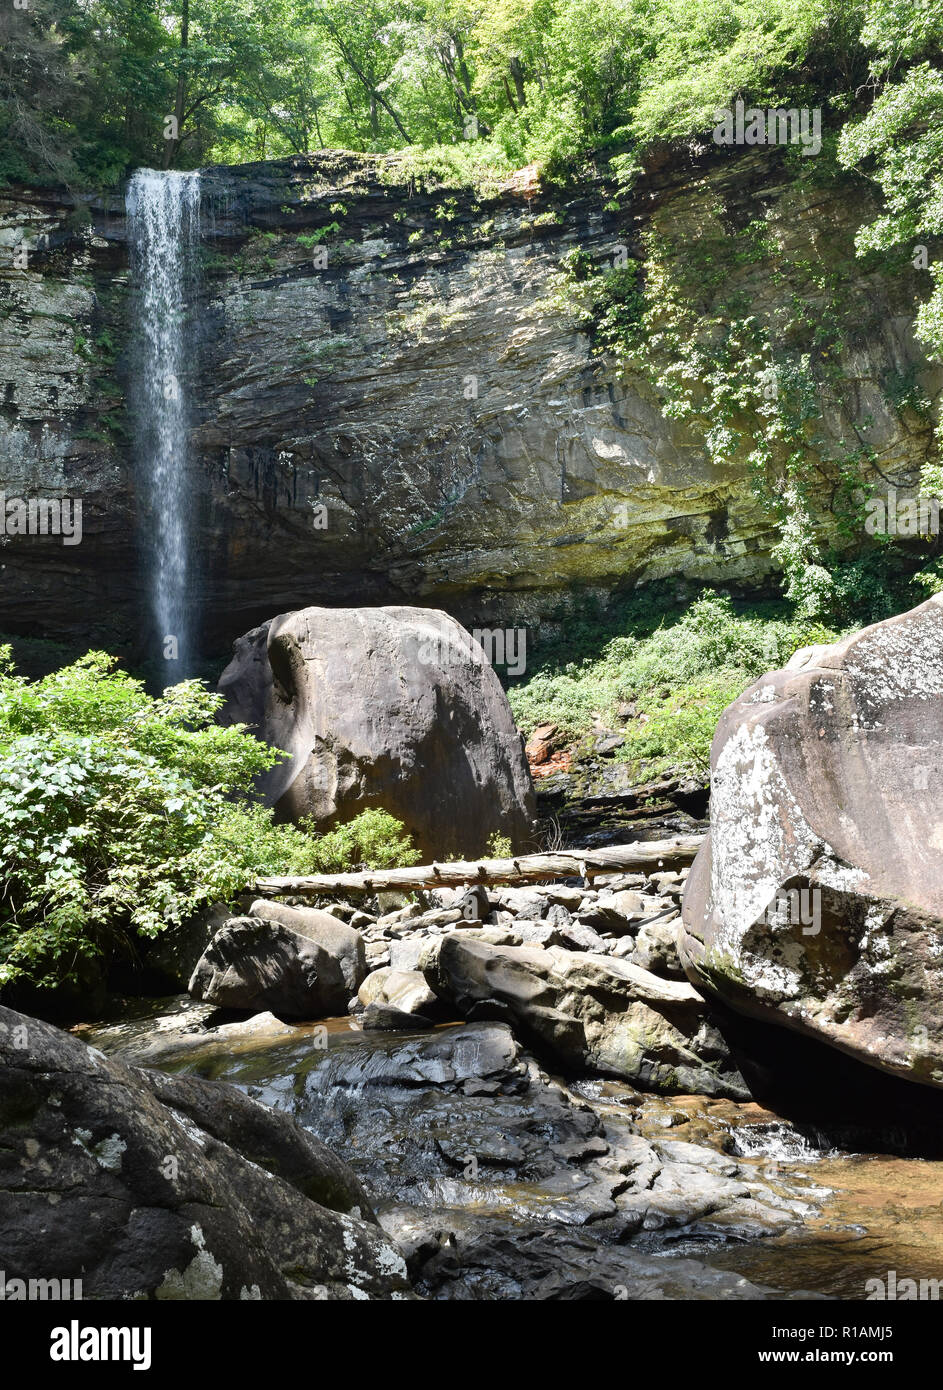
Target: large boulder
{"x": 148, "y": 1186}
{"x": 588, "y": 1012}
{"x": 297, "y": 962}
{"x": 817, "y": 899}
{"x": 395, "y": 708}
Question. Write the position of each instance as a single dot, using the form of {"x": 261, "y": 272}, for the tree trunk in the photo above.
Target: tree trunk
{"x": 170, "y": 153}
{"x": 526, "y": 868}
{"x": 517, "y": 77}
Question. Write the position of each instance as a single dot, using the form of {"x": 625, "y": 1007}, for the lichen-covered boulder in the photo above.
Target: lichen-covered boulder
{"x": 396, "y": 708}
{"x": 156, "y": 1187}
{"x": 817, "y": 900}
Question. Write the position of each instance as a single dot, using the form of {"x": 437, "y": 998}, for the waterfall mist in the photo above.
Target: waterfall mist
{"x": 164, "y": 228}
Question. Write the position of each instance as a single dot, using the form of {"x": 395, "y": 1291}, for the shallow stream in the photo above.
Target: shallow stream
{"x": 460, "y": 1125}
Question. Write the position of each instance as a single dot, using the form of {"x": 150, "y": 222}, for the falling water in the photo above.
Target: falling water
{"x": 164, "y": 228}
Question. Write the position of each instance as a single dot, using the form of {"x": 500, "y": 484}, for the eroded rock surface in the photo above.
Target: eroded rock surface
{"x": 588, "y": 1012}
{"x": 299, "y": 962}
{"x": 468, "y": 1146}
{"x": 397, "y": 708}
{"x": 349, "y": 387}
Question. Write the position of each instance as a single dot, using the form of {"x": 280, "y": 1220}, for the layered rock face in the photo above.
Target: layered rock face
{"x": 421, "y": 386}
{"x": 384, "y": 707}
{"x": 817, "y": 900}
{"x": 589, "y": 1011}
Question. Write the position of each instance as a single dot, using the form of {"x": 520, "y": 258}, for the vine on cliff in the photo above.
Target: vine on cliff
{"x": 756, "y": 385}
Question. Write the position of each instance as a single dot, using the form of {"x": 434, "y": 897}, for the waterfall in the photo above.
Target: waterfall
{"x": 163, "y": 228}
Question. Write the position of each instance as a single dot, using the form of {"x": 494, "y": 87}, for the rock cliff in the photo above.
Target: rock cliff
{"x": 416, "y": 419}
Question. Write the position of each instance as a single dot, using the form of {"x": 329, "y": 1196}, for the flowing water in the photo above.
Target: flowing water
{"x": 377, "y": 1099}
{"x": 164, "y": 228}
{"x": 881, "y": 1220}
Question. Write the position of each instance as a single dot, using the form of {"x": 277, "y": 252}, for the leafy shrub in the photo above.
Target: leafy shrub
{"x": 120, "y": 814}
{"x": 373, "y": 840}
{"x": 499, "y": 846}
{"x": 681, "y": 674}
{"x": 680, "y": 729}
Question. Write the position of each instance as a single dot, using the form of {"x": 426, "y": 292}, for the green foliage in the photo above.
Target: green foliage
{"x": 499, "y": 846}
{"x": 679, "y": 730}
{"x": 86, "y": 88}
{"x": 309, "y": 239}
{"x": 373, "y": 840}
{"x": 756, "y": 384}
{"x": 680, "y": 668}
{"x": 121, "y": 813}
{"x": 900, "y": 143}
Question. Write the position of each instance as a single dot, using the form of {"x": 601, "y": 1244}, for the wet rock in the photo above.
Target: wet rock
{"x": 464, "y": 1117}
{"x": 266, "y": 1137}
{"x": 483, "y": 1261}
{"x": 588, "y": 1011}
{"x": 391, "y": 707}
{"x": 462, "y": 1138}
{"x": 178, "y": 1031}
{"x": 817, "y": 900}
{"x": 380, "y": 1017}
{"x": 144, "y": 1186}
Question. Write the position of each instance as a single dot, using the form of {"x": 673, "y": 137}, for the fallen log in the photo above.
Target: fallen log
{"x": 525, "y": 868}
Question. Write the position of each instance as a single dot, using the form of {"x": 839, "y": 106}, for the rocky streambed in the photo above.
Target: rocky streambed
{"x": 540, "y": 1089}
{"x": 496, "y": 1178}
{"x": 520, "y": 1096}
{"x": 524, "y": 1100}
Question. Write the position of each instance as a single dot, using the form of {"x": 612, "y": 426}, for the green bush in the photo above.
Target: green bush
{"x": 121, "y": 813}
{"x": 373, "y": 840}
{"x": 679, "y": 730}
{"x": 681, "y": 674}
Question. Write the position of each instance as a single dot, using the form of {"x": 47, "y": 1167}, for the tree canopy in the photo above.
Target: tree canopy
{"x": 92, "y": 88}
